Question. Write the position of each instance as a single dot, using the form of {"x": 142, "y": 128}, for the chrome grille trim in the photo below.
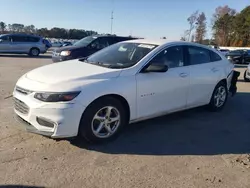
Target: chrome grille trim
{"x": 20, "y": 106}
{"x": 23, "y": 91}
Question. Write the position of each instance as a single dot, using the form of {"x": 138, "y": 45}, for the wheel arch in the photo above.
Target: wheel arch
{"x": 118, "y": 97}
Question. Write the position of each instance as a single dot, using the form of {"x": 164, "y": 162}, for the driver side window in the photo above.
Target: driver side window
{"x": 172, "y": 57}
{"x": 100, "y": 43}
{"x": 5, "y": 38}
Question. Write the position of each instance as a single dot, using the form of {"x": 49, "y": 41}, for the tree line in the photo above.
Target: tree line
{"x": 229, "y": 28}
{"x": 54, "y": 32}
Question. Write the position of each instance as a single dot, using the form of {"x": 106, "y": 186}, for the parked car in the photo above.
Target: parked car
{"x": 247, "y": 74}
{"x": 238, "y": 56}
{"x": 86, "y": 47}
{"x": 66, "y": 43}
{"x": 22, "y": 44}
{"x": 224, "y": 51}
{"x": 57, "y": 44}
{"x": 126, "y": 82}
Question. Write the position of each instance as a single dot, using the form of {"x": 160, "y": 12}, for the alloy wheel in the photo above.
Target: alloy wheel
{"x": 106, "y": 122}
{"x": 220, "y": 96}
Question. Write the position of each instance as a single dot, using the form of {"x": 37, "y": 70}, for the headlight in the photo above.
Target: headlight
{"x": 65, "y": 53}
{"x": 56, "y": 97}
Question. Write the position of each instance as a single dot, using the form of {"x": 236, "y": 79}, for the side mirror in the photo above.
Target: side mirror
{"x": 1, "y": 40}
{"x": 156, "y": 67}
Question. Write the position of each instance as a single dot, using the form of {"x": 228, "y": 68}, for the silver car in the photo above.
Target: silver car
{"x": 22, "y": 44}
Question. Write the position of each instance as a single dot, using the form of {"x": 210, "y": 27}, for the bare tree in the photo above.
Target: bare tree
{"x": 192, "y": 22}
{"x": 201, "y": 28}
{"x": 185, "y": 35}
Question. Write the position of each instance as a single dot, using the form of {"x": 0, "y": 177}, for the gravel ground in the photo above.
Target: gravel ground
{"x": 194, "y": 148}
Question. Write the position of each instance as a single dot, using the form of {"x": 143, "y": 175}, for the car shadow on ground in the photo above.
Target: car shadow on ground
{"x": 192, "y": 132}
{"x": 25, "y": 56}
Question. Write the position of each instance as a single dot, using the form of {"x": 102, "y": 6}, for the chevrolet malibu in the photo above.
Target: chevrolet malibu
{"x": 127, "y": 82}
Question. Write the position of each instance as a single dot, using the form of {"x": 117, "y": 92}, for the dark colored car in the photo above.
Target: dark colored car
{"x": 239, "y": 56}
{"x": 86, "y": 47}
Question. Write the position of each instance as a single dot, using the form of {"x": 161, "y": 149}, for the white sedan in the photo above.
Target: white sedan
{"x": 127, "y": 82}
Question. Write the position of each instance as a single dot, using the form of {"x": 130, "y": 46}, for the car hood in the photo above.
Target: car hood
{"x": 69, "y": 71}
{"x": 70, "y": 48}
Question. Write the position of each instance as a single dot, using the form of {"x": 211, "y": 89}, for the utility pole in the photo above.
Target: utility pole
{"x": 112, "y": 17}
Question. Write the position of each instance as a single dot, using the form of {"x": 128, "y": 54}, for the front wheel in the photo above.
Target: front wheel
{"x": 219, "y": 97}
{"x": 103, "y": 120}
{"x": 245, "y": 77}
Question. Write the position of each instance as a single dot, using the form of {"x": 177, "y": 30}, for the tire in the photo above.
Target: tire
{"x": 90, "y": 127}
{"x": 245, "y": 77}
{"x": 34, "y": 52}
{"x": 218, "y": 100}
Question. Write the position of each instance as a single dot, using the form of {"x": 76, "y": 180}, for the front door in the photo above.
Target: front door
{"x": 98, "y": 44}
{"x": 163, "y": 92}
{"x": 5, "y": 44}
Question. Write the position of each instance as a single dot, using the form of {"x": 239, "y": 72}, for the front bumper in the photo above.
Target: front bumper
{"x": 59, "y": 58}
{"x": 64, "y": 117}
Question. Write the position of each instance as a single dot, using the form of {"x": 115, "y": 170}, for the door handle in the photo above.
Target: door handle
{"x": 183, "y": 75}
{"x": 214, "y": 69}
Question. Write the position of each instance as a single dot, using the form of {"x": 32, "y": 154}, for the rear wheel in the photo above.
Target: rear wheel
{"x": 34, "y": 52}
{"x": 103, "y": 120}
{"x": 245, "y": 77}
{"x": 219, "y": 97}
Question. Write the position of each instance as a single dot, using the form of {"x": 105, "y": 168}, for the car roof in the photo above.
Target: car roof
{"x": 163, "y": 42}
{"x": 97, "y": 36}
{"x": 20, "y": 34}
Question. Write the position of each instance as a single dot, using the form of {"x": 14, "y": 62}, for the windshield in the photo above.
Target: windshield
{"x": 85, "y": 41}
{"x": 236, "y": 52}
{"x": 120, "y": 55}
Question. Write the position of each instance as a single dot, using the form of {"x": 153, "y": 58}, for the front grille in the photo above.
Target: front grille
{"x": 56, "y": 53}
{"x": 20, "y": 106}
{"x": 22, "y": 90}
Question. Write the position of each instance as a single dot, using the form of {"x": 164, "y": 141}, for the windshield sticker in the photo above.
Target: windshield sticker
{"x": 146, "y": 46}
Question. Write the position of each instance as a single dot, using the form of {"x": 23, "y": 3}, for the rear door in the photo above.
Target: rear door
{"x": 5, "y": 44}
{"x": 205, "y": 72}
{"x": 20, "y": 44}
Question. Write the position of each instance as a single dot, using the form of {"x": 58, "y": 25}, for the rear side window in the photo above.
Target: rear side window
{"x": 198, "y": 55}
{"x": 19, "y": 39}
{"x": 33, "y": 39}
{"x": 214, "y": 56}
